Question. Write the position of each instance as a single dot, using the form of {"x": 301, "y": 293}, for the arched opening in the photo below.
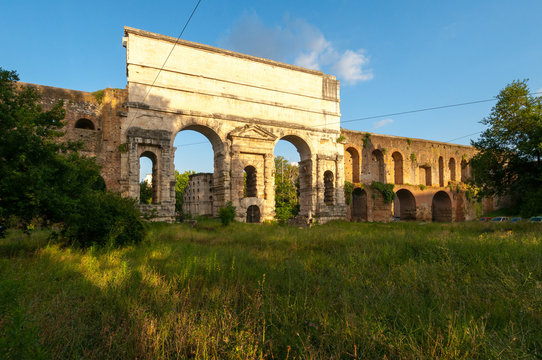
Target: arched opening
{"x": 149, "y": 178}
{"x": 451, "y": 167}
{"x": 84, "y": 124}
{"x": 250, "y": 188}
{"x": 197, "y": 161}
{"x": 293, "y": 178}
{"x": 377, "y": 166}
{"x": 464, "y": 171}
{"x": 440, "y": 171}
{"x": 328, "y": 188}
{"x": 404, "y": 205}
{"x": 397, "y": 167}
{"x": 351, "y": 165}
{"x": 441, "y": 207}
{"x": 425, "y": 175}
{"x": 359, "y": 205}
{"x": 253, "y": 214}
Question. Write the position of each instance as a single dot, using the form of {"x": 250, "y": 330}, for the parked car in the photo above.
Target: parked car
{"x": 485, "y": 219}
{"x": 515, "y": 219}
{"x": 499, "y": 219}
{"x": 536, "y": 219}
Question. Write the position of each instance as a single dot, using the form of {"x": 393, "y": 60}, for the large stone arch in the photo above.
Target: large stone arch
{"x": 405, "y": 205}
{"x": 359, "y": 205}
{"x": 243, "y": 112}
{"x": 441, "y": 207}
{"x": 306, "y": 172}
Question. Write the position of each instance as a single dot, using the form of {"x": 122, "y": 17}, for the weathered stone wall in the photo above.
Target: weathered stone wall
{"x": 198, "y": 195}
{"x": 428, "y": 175}
{"x": 105, "y": 111}
{"x": 244, "y": 105}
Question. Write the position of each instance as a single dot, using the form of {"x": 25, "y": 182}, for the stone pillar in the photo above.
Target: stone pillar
{"x": 269, "y": 186}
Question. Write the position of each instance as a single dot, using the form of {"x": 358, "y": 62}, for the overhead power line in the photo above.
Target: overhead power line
{"x": 167, "y": 58}
{"x": 401, "y": 113}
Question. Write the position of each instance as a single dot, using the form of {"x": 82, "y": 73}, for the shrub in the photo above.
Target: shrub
{"x": 227, "y": 213}
{"x": 104, "y": 218}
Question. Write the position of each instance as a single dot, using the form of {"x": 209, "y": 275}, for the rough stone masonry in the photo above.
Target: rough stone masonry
{"x": 244, "y": 105}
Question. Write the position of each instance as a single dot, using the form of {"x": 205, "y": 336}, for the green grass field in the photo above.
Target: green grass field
{"x": 337, "y": 291}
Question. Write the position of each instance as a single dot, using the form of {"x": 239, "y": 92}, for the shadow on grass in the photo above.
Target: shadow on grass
{"x": 343, "y": 290}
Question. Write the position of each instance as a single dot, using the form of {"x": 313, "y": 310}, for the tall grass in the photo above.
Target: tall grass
{"x": 342, "y": 290}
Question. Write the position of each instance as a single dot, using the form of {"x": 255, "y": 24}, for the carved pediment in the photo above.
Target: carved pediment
{"x": 252, "y": 132}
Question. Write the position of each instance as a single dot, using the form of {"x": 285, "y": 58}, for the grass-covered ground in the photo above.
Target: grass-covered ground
{"x": 342, "y": 290}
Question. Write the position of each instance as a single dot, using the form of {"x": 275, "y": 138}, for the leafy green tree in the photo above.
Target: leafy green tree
{"x": 508, "y": 161}
{"x": 286, "y": 189}
{"x": 44, "y": 179}
{"x": 145, "y": 193}
{"x": 181, "y": 182}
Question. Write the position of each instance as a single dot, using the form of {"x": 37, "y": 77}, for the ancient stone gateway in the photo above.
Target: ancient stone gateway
{"x": 244, "y": 105}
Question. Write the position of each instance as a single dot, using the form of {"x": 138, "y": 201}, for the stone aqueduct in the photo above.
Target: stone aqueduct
{"x": 244, "y": 105}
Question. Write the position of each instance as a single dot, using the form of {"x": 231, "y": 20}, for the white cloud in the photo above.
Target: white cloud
{"x": 297, "y": 41}
{"x": 539, "y": 91}
{"x": 351, "y": 67}
{"x": 381, "y": 123}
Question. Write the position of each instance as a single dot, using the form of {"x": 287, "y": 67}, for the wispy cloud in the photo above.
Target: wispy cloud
{"x": 297, "y": 41}
{"x": 539, "y": 91}
{"x": 381, "y": 123}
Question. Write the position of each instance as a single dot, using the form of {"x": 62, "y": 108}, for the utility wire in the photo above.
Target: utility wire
{"x": 464, "y": 136}
{"x": 167, "y": 58}
{"x": 401, "y": 113}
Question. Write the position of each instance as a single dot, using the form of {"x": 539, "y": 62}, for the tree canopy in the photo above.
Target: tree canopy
{"x": 286, "y": 189}
{"x": 44, "y": 180}
{"x": 508, "y": 162}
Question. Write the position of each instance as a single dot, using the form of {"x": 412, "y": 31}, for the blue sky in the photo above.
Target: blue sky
{"x": 390, "y": 56}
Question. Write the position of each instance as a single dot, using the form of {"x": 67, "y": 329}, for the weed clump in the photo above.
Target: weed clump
{"x": 227, "y": 213}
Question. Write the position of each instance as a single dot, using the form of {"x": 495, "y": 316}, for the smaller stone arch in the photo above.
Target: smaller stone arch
{"x": 351, "y": 165}
{"x": 397, "y": 167}
{"x": 250, "y": 182}
{"x": 464, "y": 170}
{"x": 378, "y": 168}
{"x": 328, "y": 188}
{"x": 84, "y": 123}
{"x": 155, "y": 182}
{"x": 440, "y": 171}
{"x": 451, "y": 167}
{"x": 441, "y": 207}
{"x": 359, "y": 205}
{"x": 253, "y": 214}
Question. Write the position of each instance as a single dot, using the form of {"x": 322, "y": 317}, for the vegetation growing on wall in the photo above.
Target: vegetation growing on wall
{"x": 98, "y": 95}
{"x": 413, "y": 157}
{"x": 366, "y": 138}
{"x": 348, "y": 189}
{"x": 385, "y": 189}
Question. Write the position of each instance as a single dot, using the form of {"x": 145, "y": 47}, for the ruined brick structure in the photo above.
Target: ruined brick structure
{"x": 244, "y": 105}
{"x": 198, "y": 195}
{"x": 428, "y": 178}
